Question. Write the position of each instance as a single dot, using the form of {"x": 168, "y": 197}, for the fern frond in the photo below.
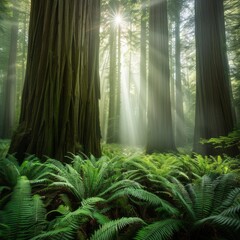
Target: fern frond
{"x": 204, "y": 197}
{"x": 232, "y": 222}
{"x": 9, "y": 171}
{"x": 224, "y": 186}
{"x": 161, "y": 230}
{"x": 119, "y": 185}
{"x": 110, "y": 229}
{"x": 23, "y": 214}
{"x": 63, "y": 233}
{"x": 101, "y": 218}
{"x": 182, "y": 196}
{"x": 92, "y": 201}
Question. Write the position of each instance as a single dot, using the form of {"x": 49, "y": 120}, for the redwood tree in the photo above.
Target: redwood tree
{"x": 214, "y": 115}
{"x": 160, "y": 131}
{"x": 60, "y": 97}
{"x": 9, "y": 117}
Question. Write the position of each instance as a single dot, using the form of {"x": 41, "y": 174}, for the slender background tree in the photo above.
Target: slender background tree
{"x": 160, "y": 129}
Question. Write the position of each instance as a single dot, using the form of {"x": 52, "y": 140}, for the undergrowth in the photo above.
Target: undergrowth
{"x": 123, "y": 195}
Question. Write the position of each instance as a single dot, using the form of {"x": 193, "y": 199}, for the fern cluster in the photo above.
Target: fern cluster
{"x": 120, "y": 196}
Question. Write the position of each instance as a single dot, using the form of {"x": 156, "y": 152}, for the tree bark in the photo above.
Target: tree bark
{"x": 214, "y": 115}
{"x": 160, "y": 131}
{"x": 60, "y": 97}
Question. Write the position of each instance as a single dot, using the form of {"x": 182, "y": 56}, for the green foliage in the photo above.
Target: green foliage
{"x": 109, "y": 230}
{"x": 66, "y": 225}
{"x": 161, "y": 230}
{"x": 112, "y": 197}
{"x": 4, "y": 146}
{"x": 212, "y": 202}
{"x": 232, "y": 139}
{"x": 24, "y": 215}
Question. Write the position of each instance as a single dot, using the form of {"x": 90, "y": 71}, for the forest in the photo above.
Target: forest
{"x": 119, "y": 119}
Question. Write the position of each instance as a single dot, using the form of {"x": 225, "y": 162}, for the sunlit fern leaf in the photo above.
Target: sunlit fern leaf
{"x": 23, "y": 211}
{"x": 63, "y": 233}
{"x": 92, "y": 201}
{"x": 100, "y": 218}
{"x": 109, "y": 230}
{"x": 162, "y": 230}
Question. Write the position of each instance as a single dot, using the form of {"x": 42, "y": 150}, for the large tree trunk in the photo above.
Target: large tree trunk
{"x": 60, "y": 97}
{"x": 160, "y": 131}
{"x": 214, "y": 116}
{"x": 9, "y": 117}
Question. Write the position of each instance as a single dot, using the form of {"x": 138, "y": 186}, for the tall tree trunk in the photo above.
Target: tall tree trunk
{"x": 143, "y": 77}
{"x": 160, "y": 131}
{"x": 180, "y": 126}
{"x": 112, "y": 118}
{"x": 214, "y": 115}
{"x": 9, "y": 118}
{"x": 60, "y": 97}
{"x": 114, "y": 78}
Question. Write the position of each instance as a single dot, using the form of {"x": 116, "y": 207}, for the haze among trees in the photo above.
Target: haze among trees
{"x": 117, "y": 101}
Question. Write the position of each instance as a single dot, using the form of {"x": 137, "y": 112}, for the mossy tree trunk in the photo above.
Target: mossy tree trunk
{"x": 59, "y": 111}
{"x": 160, "y": 130}
{"x": 214, "y": 115}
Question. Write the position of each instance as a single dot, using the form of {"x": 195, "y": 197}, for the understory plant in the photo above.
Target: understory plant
{"x": 206, "y": 209}
{"x": 122, "y": 196}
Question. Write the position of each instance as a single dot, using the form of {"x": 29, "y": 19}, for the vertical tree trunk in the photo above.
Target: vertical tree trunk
{"x": 143, "y": 77}
{"x": 214, "y": 116}
{"x": 160, "y": 131}
{"x": 61, "y": 91}
{"x": 9, "y": 117}
{"x": 180, "y": 125}
{"x": 112, "y": 118}
{"x": 114, "y": 78}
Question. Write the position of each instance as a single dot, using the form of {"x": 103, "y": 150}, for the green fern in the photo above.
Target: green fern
{"x": 210, "y": 201}
{"x": 66, "y": 225}
{"x": 161, "y": 230}
{"x": 23, "y": 215}
{"x": 109, "y": 230}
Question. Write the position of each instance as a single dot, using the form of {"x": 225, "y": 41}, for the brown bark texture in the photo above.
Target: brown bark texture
{"x": 59, "y": 112}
